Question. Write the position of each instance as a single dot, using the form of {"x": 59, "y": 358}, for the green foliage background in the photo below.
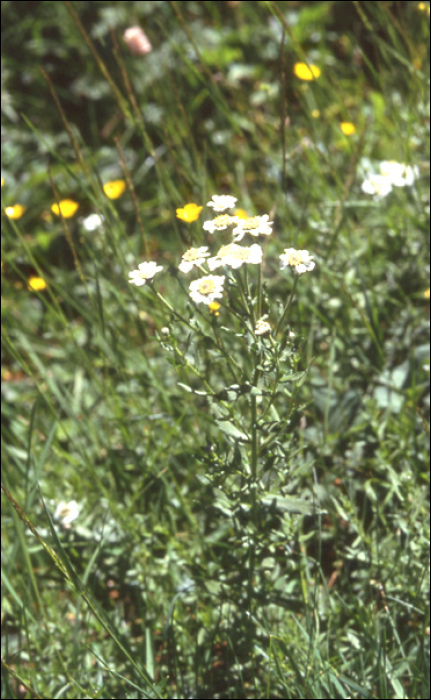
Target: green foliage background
{"x": 143, "y": 596}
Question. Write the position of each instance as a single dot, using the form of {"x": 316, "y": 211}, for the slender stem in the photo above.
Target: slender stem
{"x": 252, "y": 545}
{"x": 254, "y": 474}
{"x": 216, "y": 342}
{"x": 284, "y": 314}
{"x": 244, "y": 292}
{"x": 254, "y": 438}
{"x": 225, "y": 354}
{"x": 255, "y": 435}
{"x": 259, "y": 291}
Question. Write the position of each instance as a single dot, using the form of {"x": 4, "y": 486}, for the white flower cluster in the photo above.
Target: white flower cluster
{"x": 235, "y": 255}
{"x": 207, "y": 289}
{"x": 66, "y": 512}
{"x": 192, "y": 257}
{"x": 221, "y": 202}
{"x": 255, "y": 225}
{"x": 210, "y": 287}
{"x": 145, "y": 272}
{"x": 389, "y": 174}
{"x": 300, "y": 260}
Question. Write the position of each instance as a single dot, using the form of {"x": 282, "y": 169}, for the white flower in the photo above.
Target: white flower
{"x": 92, "y": 222}
{"x": 377, "y": 185}
{"x": 235, "y": 255}
{"x": 256, "y": 225}
{"x": 219, "y": 223}
{"x": 66, "y": 512}
{"x": 194, "y": 256}
{"x": 300, "y": 260}
{"x": 399, "y": 174}
{"x": 262, "y": 327}
{"x": 390, "y": 174}
{"x": 221, "y": 202}
{"x": 146, "y": 271}
{"x": 207, "y": 289}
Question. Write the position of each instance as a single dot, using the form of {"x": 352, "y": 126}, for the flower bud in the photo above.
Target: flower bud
{"x": 137, "y": 41}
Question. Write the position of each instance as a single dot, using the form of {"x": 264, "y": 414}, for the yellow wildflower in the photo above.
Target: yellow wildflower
{"x": 2, "y": 182}
{"x": 241, "y": 214}
{"x": 114, "y": 189}
{"x": 15, "y": 212}
{"x": 347, "y": 128}
{"x": 36, "y": 284}
{"x": 427, "y": 293}
{"x": 304, "y": 72}
{"x": 66, "y": 207}
{"x": 214, "y": 308}
{"x": 190, "y": 212}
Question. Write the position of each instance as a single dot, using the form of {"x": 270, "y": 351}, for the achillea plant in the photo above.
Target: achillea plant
{"x": 233, "y": 348}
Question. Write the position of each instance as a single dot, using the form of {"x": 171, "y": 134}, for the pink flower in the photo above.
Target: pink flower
{"x": 137, "y": 41}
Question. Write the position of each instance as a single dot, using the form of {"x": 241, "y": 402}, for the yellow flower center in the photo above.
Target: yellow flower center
{"x": 222, "y": 221}
{"x": 191, "y": 255}
{"x": 206, "y": 287}
{"x": 296, "y": 258}
{"x": 233, "y": 250}
{"x": 251, "y": 223}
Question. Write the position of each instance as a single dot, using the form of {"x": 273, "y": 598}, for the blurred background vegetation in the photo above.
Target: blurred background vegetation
{"x": 139, "y": 593}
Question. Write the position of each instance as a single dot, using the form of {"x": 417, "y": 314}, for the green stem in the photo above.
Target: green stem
{"x": 244, "y": 293}
{"x": 253, "y": 543}
{"x": 254, "y": 475}
{"x": 196, "y": 330}
{"x": 259, "y": 291}
{"x": 284, "y": 314}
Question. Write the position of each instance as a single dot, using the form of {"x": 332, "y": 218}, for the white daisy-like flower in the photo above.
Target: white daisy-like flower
{"x": 300, "y": 260}
{"x": 399, "y": 174}
{"x": 192, "y": 257}
{"x": 256, "y": 225}
{"x": 207, "y": 289}
{"x": 66, "y": 512}
{"x": 235, "y": 255}
{"x": 221, "y": 202}
{"x": 262, "y": 327}
{"x": 377, "y": 185}
{"x": 146, "y": 271}
{"x": 92, "y": 222}
{"x": 220, "y": 223}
